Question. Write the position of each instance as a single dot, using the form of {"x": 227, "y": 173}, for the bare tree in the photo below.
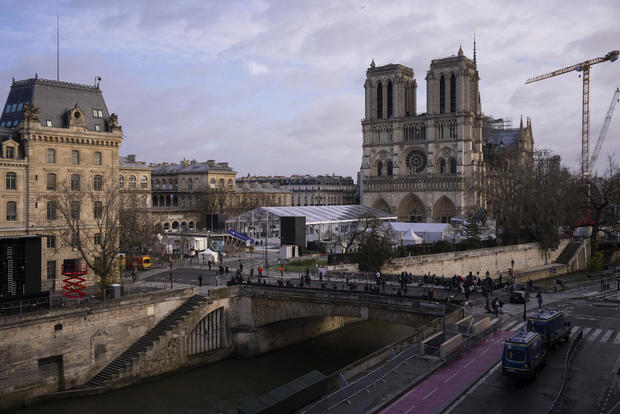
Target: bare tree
{"x": 137, "y": 231}
{"x": 357, "y": 229}
{"x": 85, "y": 216}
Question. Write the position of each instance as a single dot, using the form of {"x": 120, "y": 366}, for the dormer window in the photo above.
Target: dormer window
{"x": 7, "y": 109}
{"x": 97, "y": 113}
{"x": 20, "y": 106}
{"x": 10, "y": 152}
{"x": 97, "y": 127}
{"x": 48, "y": 122}
{"x": 13, "y": 107}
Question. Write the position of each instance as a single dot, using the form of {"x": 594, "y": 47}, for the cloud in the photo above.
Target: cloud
{"x": 257, "y": 68}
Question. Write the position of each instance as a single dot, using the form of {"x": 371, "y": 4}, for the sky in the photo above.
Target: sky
{"x": 276, "y": 87}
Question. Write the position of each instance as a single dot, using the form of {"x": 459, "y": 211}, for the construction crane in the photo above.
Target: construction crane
{"x": 585, "y": 114}
{"x": 604, "y": 128}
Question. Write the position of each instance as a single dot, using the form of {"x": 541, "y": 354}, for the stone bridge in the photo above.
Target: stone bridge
{"x": 263, "y": 318}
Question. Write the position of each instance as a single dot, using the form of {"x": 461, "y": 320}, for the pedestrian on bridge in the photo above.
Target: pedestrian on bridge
{"x": 540, "y": 299}
{"x": 200, "y": 279}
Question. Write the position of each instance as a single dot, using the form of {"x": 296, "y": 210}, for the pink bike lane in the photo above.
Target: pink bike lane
{"x": 449, "y": 381}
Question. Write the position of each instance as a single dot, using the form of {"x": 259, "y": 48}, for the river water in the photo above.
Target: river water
{"x": 222, "y": 386}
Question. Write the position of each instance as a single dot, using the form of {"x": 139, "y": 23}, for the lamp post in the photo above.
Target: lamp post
{"x": 524, "y": 308}
{"x": 512, "y": 275}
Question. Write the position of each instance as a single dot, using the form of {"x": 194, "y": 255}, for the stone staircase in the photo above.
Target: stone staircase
{"x": 568, "y": 252}
{"x": 125, "y": 360}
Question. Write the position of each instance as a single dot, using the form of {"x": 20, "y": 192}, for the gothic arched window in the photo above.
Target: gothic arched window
{"x": 453, "y": 93}
{"x": 390, "y": 106}
{"x": 442, "y": 166}
{"x": 390, "y": 168}
{"x": 379, "y": 100}
{"x": 453, "y": 166}
{"x": 379, "y": 168}
{"x": 442, "y": 95}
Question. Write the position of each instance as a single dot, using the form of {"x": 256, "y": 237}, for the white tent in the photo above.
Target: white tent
{"x": 425, "y": 232}
{"x": 207, "y": 254}
{"x": 403, "y": 234}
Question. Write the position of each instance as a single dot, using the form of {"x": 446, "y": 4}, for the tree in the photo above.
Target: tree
{"x": 374, "y": 250}
{"x": 137, "y": 231}
{"x": 87, "y": 218}
{"x": 349, "y": 239}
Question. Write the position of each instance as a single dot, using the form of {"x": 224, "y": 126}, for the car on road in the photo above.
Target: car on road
{"x": 519, "y": 296}
{"x": 551, "y": 325}
{"x": 524, "y": 354}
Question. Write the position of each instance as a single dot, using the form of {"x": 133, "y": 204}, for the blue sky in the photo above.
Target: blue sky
{"x": 276, "y": 87}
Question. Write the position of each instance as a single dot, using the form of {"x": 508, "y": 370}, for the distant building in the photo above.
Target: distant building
{"x": 308, "y": 190}
{"x": 134, "y": 182}
{"x": 51, "y": 133}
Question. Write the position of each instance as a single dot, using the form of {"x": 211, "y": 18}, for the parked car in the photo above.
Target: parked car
{"x": 519, "y": 296}
{"x": 524, "y": 354}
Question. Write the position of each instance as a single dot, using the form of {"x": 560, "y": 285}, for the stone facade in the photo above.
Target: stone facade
{"x": 134, "y": 182}
{"x": 420, "y": 166}
{"x": 53, "y": 135}
{"x": 307, "y": 190}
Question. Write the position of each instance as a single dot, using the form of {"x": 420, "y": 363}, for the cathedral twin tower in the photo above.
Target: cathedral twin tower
{"x": 418, "y": 166}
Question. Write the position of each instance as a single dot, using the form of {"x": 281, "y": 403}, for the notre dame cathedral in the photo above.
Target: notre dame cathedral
{"x": 419, "y": 166}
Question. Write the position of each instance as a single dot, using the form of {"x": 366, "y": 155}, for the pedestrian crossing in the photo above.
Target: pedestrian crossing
{"x": 602, "y": 335}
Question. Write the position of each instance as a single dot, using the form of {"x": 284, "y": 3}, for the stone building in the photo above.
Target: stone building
{"x": 134, "y": 182}
{"x": 193, "y": 195}
{"x": 420, "y": 166}
{"x": 54, "y": 135}
{"x": 308, "y": 190}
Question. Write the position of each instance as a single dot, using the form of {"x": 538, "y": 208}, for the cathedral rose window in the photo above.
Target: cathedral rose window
{"x": 416, "y": 161}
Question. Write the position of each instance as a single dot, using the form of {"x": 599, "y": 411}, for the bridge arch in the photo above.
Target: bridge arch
{"x": 208, "y": 334}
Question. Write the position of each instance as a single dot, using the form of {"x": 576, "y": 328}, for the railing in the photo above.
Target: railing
{"x": 555, "y": 407}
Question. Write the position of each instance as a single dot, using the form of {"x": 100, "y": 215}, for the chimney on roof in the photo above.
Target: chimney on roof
{"x": 210, "y": 163}
{"x": 184, "y": 162}
{"x": 131, "y": 157}
{"x": 152, "y": 164}
{"x": 224, "y": 164}
{"x": 165, "y": 164}
{"x": 193, "y": 162}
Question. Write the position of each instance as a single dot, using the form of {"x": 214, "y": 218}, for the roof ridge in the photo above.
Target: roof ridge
{"x": 54, "y": 83}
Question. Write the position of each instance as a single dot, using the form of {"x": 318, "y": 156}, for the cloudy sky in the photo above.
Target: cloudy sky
{"x": 276, "y": 87}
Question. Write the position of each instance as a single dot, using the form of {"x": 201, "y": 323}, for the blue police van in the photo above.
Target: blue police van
{"x": 524, "y": 354}
{"x": 551, "y": 325}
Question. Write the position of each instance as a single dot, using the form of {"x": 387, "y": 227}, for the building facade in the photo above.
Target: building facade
{"x": 134, "y": 182}
{"x": 308, "y": 190}
{"x": 421, "y": 167}
{"x": 55, "y": 137}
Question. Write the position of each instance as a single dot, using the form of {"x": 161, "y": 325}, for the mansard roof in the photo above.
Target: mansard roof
{"x": 193, "y": 167}
{"x": 54, "y": 99}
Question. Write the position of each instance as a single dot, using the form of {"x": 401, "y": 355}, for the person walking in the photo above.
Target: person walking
{"x": 170, "y": 271}
{"x": 501, "y": 307}
{"x": 260, "y": 271}
{"x": 200, "y": 279}
{"x": 209, "y": 264}
{"x": 539, "y": 299}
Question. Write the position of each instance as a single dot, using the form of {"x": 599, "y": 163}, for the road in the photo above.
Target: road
{"x": 592, "y": 382}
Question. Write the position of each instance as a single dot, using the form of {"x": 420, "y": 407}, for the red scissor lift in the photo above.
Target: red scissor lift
{"x": 73, "y": 282}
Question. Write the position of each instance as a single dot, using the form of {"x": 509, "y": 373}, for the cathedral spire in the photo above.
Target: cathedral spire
{"x": 460, "y": 51}
{"x": 475, "y": 65}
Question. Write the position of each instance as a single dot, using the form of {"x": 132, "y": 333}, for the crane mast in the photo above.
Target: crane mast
{"x": 604, "y": 128}
{"x": 585, "y": 113}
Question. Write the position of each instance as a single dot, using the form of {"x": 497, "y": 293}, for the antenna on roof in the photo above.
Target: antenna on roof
{"x": 57, "y": 44}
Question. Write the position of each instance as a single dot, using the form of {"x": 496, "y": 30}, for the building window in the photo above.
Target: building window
{"x": 97, "y": 127}
{"x": 98, "y": 209}
{"x": 75, "y": 210}
{"x": 212, "y": 182}
{"x": 7, "y": 109}
{"x": 390, "y": 107}
{"x": 97, "y": 239}
{"x": 75, "y": 157}
{"x": 75, "y": 182}
{"x": 97, "y": 158}
{"x": 453, "y": 166}
{"x": 51, "y": 242}
{"x": 98, "y": 183}
{"x": 51, "y": 274}
{"x": 442, "y": 94}
{"x": 390, "y": 168}
{"x": 452, "y": 93}
{"x": 379, "y": 100}
{"x": 51, "y": 210}
{"x": 14, "y": 107}
{"x": 190, "y": 184}
{"x": 51, "y": 156}
{"x": 48, "y": 122}
{"x": 144, "y": 182}
{"x": 379, "y": 168}
{"x": 10, "y": 152}
{"x": 121, "y": 181}
{"x": 230, "y": 183}
{"x": 222, "y": 182}
{"x": 51, "y": 181}
{"x": 97, "y": 113}
{"x": 11, "y": 181}
{"x": 11, "y": 211}
{"x": 442, "y": 166}
{"x": 132, "y": 181}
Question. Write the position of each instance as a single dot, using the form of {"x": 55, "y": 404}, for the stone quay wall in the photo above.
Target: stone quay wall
{"x": 494, "y": 259}
{"x": 50, "y": 351}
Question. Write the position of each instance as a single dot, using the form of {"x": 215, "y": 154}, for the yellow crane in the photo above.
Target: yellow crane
{"x": 585, "y": 114}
